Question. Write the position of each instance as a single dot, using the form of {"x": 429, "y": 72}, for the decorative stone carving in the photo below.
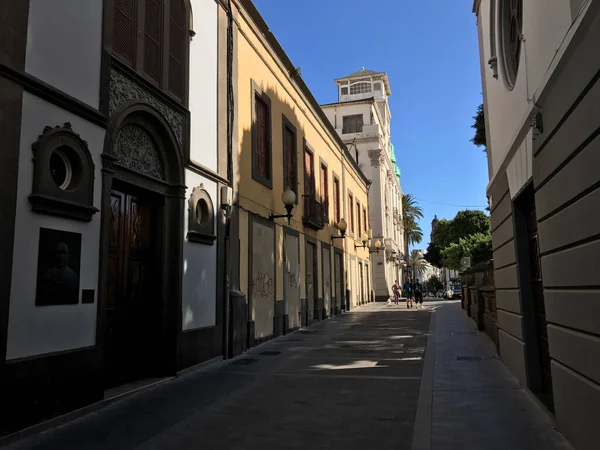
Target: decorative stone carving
{"x": 135, "y": 149}
{"x": 375, "y": 157}
{"x": 123, "y": 89}
{"x": 63, "y": 175}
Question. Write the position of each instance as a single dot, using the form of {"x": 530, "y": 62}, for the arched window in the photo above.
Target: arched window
{"x": 360, "y": 88}
{"x": 150, "y": 36}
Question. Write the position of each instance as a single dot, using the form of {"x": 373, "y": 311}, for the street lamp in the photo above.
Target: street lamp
{"x": 364, "y": 238}
{"x": 342, "y": 226}
{"x": 377, "y": 247}
{"x": 289, "y": 200}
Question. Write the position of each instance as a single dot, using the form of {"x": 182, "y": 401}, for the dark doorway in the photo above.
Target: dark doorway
{"x": 311, "y": 282}
{"x": 340, "y": 297}
{"x": 532, "y": 298}
{"x": 362, "y": 283}
{"x": 133, "y": 311}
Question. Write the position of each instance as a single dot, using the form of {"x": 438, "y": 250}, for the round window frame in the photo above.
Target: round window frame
{"x": 510, "y": 64}
{"x": 201, "y": 228}
{"x": 76, "y": 201}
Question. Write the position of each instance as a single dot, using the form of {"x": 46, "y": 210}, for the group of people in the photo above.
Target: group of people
{"x": 411, "y": 289}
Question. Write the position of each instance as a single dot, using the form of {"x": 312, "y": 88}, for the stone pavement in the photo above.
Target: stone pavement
{"x": 469, "y": 399}
{"x": 358, "y": 381}
{"x": 351, "y": 382}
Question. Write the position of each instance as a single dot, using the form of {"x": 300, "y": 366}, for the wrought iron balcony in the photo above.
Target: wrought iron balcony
{"x": 314, "y": 213}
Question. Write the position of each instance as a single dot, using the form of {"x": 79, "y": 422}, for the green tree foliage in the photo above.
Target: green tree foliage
{"x": 479, "y": 127}
{"x": 440, "y": 239}
{"x": 478, "y": 246}
{"x": 447, "y": 232}
{"x": 434, "y": 284}
{"x": 469, "y": 221}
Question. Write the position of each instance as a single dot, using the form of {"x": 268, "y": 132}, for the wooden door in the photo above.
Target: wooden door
{"x": 311, "y": 281}
{"x": 131, "y": 309}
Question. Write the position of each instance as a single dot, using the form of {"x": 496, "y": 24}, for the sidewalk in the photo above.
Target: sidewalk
{"x": 475, "y": 402}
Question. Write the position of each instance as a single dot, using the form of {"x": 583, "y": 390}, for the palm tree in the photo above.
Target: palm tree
{"x": 417, "y": 263}
{"x": 410, "y": 207}
{"x": 411, "y": 212}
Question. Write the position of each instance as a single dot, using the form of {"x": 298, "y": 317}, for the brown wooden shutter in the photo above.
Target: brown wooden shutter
{"x": 336, "y": 199}
{"x": 351, "y": 212}
{"x": 358, "y": 228}
{"x": 124, "y": 29}
{"x": 290, "y": 160}
{"x": 152, "y": 39}
{"x": 261, "y": 155}
{"x": 177, "y": 48}
{"x": 325, "y": 191}
{"x": 307, "y": 172}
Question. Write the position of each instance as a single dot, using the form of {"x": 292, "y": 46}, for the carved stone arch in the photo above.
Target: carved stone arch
{"x": 143, "y": 170}
{"x": 140, "y": 139}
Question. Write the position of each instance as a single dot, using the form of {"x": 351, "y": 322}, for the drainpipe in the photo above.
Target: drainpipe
{"x": 230, "y": 120}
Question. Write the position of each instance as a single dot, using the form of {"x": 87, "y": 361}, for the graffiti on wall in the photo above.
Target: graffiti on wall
{"x": 262, "y": 285}
{"x": 293, "y": 281}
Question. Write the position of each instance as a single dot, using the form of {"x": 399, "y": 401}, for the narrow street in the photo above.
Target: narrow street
{"x": 352, "y": 382}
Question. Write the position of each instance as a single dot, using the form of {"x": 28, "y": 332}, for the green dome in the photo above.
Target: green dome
{"x": 398, "y": 171}
{"x": 392, "y": 153}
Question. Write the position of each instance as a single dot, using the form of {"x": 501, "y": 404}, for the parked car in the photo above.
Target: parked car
{"x": 457, "y": 292}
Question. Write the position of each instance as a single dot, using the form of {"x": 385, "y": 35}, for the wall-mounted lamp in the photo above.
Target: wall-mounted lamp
{"x": 364, "y": 239}
{"x": 289, "y": 200}
{"x": 342, "y": 226}
{"x": 377, "y": 247}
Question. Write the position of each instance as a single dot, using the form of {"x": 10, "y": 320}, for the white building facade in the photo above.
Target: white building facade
{"x": 114, "y": 150}
{"x": 540, "y": 71}
{"x": 362, "y": 118}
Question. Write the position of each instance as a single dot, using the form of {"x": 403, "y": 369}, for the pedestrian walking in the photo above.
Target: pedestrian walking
{"x": 418, "y": 294}
{"x": 408, "y": 291}
{"x": 396, "y": 291}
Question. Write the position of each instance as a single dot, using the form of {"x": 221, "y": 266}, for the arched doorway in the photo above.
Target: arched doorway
{"x": 141, "y": 247}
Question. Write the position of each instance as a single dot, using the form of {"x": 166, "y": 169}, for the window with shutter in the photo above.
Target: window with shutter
{"x": 358, "y": 228}
{"x": 153, "y": 33}
{"x": 351, "y": 211}
{"x": 160, "y": 52}
{"x": 324, "y": 190}
{"x": 177, "y": 45}
{"x": 309, "y": 185}
{"x": 261, "y": 153}
{"x": 336, "y": 200}
{"x": 124, "y": 29}
{"x": 289, "y": 157}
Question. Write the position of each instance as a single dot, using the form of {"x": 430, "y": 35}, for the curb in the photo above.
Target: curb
{"x": 422, "y": 429}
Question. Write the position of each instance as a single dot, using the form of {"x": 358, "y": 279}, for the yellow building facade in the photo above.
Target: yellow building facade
{"x": 290, "y": 271}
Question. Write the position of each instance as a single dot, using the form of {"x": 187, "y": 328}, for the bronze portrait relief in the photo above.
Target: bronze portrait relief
{"x": 59, "y": 260}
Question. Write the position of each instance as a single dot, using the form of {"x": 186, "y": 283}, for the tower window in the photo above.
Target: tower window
{"x": 360, "y": 88}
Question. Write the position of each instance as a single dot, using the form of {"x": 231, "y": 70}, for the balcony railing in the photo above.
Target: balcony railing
{"x": 314, "y": 213}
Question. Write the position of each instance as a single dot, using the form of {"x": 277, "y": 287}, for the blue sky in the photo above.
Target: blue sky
{"x": 429, "y": 50}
